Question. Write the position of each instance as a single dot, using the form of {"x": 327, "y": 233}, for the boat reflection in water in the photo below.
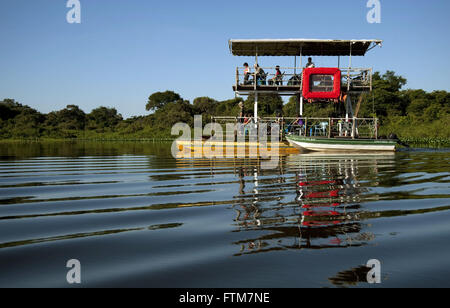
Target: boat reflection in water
{"x": 147, "y": 219}
{"x": 309, "y": 202}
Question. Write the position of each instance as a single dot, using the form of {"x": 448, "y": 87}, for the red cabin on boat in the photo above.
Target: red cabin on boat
{"x": 321, "y": 83}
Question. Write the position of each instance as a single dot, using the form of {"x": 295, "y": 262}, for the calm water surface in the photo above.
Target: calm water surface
{"x": 134, "y": 216}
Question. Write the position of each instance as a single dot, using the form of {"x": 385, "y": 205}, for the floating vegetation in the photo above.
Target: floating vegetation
{"x": 427, "y": 142}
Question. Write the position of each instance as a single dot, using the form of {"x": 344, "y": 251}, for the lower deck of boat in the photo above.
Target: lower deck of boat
{"x": 294, "y": 144}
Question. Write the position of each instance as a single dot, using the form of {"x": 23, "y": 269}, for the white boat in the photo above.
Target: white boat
{"x": 341, "y": 144}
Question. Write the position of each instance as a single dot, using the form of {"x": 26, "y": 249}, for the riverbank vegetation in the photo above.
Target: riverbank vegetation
{"x": 414, "y": 115}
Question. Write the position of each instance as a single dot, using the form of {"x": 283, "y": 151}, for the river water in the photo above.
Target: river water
{"x": 134, "y": 216}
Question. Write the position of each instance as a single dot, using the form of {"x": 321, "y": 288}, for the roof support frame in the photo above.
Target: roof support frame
{"x": 290, "y": 47}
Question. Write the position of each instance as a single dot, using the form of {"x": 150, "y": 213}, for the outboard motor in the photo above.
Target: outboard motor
{"x": 393, "y": 136}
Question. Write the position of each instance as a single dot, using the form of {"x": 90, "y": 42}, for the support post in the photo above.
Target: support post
{"x": 255, "y": 82}
{"x": 348, "y": 108}
{"x": 350, "y": 59}
{"x": 301, "y": 105}
{"x": 255, "y": 113}
{"x": 295, "y": 65}
{"x": 376, "y": 128}
{"x": 306, "y": 126}
{"x": 301, "y": 57}
{"x": 353, "y": 128}
{"x": 349, "y": 67}
{"x": 329, "y": 128}
{"x": 301, "y": 82}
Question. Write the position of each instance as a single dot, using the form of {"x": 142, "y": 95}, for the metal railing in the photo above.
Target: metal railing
{"x": 290, "y": 76}
{"x": 353, "y": 79}
{"x": 357, "y": 79}
{"x": 366, "y": 128}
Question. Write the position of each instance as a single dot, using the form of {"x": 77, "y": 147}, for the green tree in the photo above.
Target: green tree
{"x": 417, "y": 107}
{"x": 9, "y": 109}
{"x": 389, "y": 81}
{"x": 103, "y": 117}
{"x": 409, "y": 113}
{"x": 174, "y": 112}
{"x": 205, "y": 106}
{"x": 386, "y": 97}
{"x": 19, "y": 121}
{"x": 269, "y": 104}
{"x": 441, "y": 97}
{"x": 433, "y": 112}
{"x": 291, "y": 109}
{"x": 69, "y": 118}
{"x": 228, "y": 107}
{"x": 314, "y": 109}
{"x": 160, "y": 99}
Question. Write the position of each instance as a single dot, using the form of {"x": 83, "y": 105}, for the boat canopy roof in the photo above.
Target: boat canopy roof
{"x": 307, "y": 47}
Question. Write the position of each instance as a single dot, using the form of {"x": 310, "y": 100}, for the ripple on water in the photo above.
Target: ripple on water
{"x": 145, "y": 219}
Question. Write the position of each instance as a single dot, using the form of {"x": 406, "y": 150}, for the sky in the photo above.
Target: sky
{"x": 123, "y": 51}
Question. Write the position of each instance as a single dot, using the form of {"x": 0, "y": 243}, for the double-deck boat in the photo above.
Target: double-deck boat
{"x": 335, "y": 85}
{"x": 341, "y": 85}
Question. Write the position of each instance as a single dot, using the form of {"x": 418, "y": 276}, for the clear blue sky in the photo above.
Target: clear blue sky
{"x": 125, "y": 50}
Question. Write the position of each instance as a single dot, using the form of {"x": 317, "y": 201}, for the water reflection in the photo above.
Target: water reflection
{"x": 351, "y": 277}
{"x": 169, "y": 218}
{"x": 85, "y": 235}
{"x": 324, "y": 211}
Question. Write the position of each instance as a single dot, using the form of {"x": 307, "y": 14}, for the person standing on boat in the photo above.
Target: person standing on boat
{"x": 310, "y": 63}
{"x": 241, "y": 118}
{"x": 241, "y": 112}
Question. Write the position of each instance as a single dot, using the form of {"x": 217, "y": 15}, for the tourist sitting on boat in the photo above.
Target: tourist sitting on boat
{"x": 295, "y": 80}
{"x": 260, "y": 75}
{"x": 246, "y": 73}
{"x": 278, "y": 79}
{"x": 310, "y": 63}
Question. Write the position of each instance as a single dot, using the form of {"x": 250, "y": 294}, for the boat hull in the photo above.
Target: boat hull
{"x": 324, "y": 144}
{"x": 233, "y": 149}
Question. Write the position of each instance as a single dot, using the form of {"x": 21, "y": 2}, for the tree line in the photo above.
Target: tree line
{"x": 408, "y": 113}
